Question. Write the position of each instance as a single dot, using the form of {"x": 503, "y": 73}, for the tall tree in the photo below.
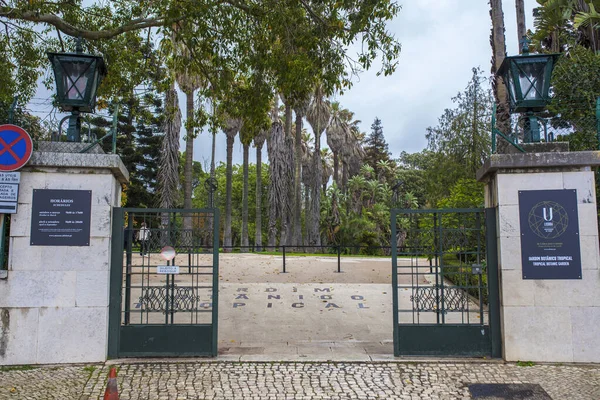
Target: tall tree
{"x": 377, "y": 150}
{"x": 246, "y": 139}
{"x": 231, "y": 129}
{"x": 337, "y": 132}
{"x": 460, "y": 142}
{"x": 497, "y": 40}
{"x": 300, "y": 109}
{"x": 168, "y": 173}
{"x": 259, "y": 141}
{"x": 280, "y": 150}
{"x": 287, "y": 213}
{"x": 521, "y": 27}
{"x": 318, "y": 118}
{"x": 307, "y": 179}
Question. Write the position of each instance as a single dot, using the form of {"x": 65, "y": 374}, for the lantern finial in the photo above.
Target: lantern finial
{"x": 78, "y": 45}
{"x": 525, "y": 41}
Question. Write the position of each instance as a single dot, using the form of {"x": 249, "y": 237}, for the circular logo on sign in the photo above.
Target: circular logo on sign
{"x": 548, "y": 219}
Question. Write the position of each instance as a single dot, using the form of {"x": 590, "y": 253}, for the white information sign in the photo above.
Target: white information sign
{"x": 10, "y": 177}
{"x": 9, "y": 192}
{"x": 167, "y": 269}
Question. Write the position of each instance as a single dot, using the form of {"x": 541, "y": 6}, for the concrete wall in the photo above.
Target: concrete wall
{"x": 547, "y": 320}
{"x": 54, "y": 303}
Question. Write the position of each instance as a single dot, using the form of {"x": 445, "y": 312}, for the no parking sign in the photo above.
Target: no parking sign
{"x": 16, "y": 147}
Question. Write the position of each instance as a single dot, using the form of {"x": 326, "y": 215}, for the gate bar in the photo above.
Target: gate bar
{"x": 493, "y": 281}
{"x": 215, "y": 282}
{"x": 114, "y": 314}
{"x": 394, "y": 243}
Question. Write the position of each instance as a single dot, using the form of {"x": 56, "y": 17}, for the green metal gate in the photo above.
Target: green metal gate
{"x": 160, "y": 311}
{"x": 445, "y": 283}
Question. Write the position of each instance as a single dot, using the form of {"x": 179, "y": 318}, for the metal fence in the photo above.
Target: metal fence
{"x": 327, "y": 250}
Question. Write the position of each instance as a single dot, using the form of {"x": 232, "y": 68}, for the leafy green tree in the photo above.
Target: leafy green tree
{"x": 377, "y": 153}
{"x": 465, "y": 193}
{"x": 461, "y": 142}
{"x": 236, "y": 37}
{"x": 200, "y": 198}
{"x": 576, "y": 87}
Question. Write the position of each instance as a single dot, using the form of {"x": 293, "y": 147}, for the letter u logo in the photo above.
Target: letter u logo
{"x": 547, "y": 214}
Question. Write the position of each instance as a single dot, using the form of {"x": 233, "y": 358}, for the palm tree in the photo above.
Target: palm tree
{"x": 246, "y": 138}
{"x": 318, "y": 118}
{"x": 232, "y": 127}
{"x": 189, "y": 84}
{"x": 259, "y": 141}
{"x": 168, "y": 173}
{"x": 307, "y": 180}
{"x": 336, "y": 136}
{"x": 287, "y": 174}
{"x": 281, "y": 154}
{"x": 327, "y": 165}
{"x": 521, "y": 29}
{"x": 300, "y": 109}
{"x": 497, "y": 40}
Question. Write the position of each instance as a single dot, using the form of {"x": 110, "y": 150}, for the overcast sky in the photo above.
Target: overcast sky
{"x": 442, "y": 40}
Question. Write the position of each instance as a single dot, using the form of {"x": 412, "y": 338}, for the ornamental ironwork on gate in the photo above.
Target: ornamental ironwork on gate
{"x": 445, "y": 282}
{"x": 164, "y": 282}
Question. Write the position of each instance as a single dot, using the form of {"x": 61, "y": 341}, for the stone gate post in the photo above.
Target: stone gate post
{"x": 54, "y": 297}
{"x": 548, "y": 257}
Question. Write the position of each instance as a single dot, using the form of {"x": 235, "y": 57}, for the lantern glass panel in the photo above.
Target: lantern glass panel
{"x": 511, "y": 87}
{"x": 77, "y": 76}
{"x": 532, "y": 77}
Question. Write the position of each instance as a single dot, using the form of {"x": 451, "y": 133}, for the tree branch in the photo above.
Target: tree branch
{"x": 67, "y": 28}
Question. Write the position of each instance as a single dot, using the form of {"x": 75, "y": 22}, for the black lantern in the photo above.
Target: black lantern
{"x": 77, "y": 77}
{"x": 527, "y": 77}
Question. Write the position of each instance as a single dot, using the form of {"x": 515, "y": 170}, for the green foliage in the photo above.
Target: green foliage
{"x": 377, "y": 154}
{"x": 283, "y": 43}
{"x": 361, "y": 217}
{"x": 461, "y": 142}
{"x": 525, "y": 364}
{"x": 465, "y": 193}
{"x": 200, "y": 198}
{"x": 576, "y": 87}
{"x": 561, "y": 24}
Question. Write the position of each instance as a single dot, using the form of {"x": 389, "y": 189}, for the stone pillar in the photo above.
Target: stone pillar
{"x": 54, "y": 300}
{"x": 553, "y": 320}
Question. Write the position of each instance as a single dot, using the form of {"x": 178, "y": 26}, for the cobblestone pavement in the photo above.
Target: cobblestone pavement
{"x": 279, "y": 380}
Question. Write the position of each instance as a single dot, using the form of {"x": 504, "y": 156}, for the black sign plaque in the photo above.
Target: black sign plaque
{"x": 61, "y": 217}
{"x": 550, "y": 247}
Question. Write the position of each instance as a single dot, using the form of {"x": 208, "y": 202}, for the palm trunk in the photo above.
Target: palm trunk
{"x": 286, "y": 215}
{"x": 245, "y": 201}
{"x": 188, "y": 167}
{"x": 314, "y": 235}
{"x": 229, "y": 177}
{"x": 521, "y": 30}
{"x": 297, "y": 225}
{"x": 497, "y": 40}
{"x": 344, "y": 177}
{"x": 258, "y": 234}
{"x": 189, "y": 152}
{"x": 336, "y": 165}
{"x": 307, "y": 216}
